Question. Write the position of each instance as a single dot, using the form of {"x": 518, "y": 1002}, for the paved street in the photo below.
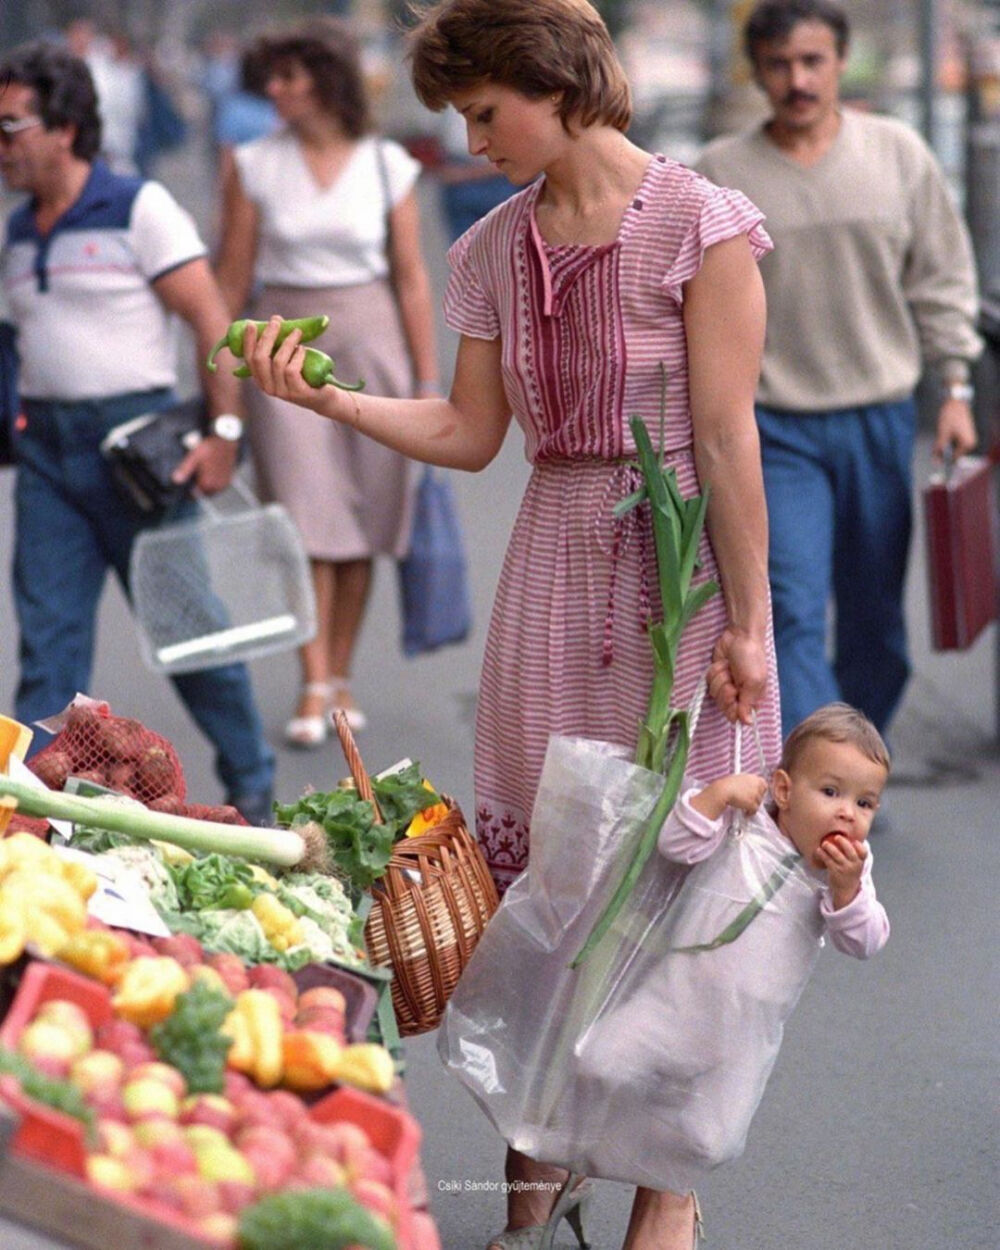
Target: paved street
{"x": 878, "y": 1128}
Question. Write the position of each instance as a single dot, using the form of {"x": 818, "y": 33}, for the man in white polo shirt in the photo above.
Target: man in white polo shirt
{"x": 93, "y": 265}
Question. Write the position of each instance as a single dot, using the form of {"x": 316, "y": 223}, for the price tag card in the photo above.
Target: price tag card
{"x": 121, "y": 898}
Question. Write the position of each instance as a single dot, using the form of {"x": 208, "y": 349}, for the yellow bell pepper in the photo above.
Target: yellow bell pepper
{"x": 428, "y": 818}
{"x": 13, "y": 931}
{"x": 79, "y": 876}
{"x": 22, "y": 849}
{"x": 241, "y": 1054}
{"x": 148, "y": 988}
{"x": 367, "y": 1065}
{"x": 49, "y": 892}
{"x": 309, "y": 1059}
{"x": 281, "y": 926}
{"x": 256, "y": 1027}
{"x": 97, "y": 953}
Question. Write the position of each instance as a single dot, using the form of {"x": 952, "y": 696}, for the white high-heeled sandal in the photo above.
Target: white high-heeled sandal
{"x": 311, "y": 731}
{"x": 356, "y": 719}
{"x": 571, "y": 1205}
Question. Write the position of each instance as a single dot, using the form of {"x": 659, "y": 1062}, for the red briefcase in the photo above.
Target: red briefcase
{"x": 960, "y": 512}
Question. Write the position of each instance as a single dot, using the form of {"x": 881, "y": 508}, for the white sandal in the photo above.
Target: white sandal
{"x": 311, "y": 731}
{"x": 357, "y": 721}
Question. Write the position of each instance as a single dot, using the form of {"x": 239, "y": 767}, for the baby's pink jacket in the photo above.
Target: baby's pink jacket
{"x": 860, "y": 929}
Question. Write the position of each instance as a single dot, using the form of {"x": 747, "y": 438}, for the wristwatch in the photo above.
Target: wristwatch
{"x": 228, "y": 426}
{"x": 960, "y": 390}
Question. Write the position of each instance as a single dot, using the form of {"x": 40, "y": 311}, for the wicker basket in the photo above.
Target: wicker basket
{"x": 428, "y": 910}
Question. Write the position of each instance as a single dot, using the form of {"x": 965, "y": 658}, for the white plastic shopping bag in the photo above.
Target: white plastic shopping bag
{"x": 646, "y": 1063}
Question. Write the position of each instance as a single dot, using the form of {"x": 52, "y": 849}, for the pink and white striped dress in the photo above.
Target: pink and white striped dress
{"x": 585, "y": 331}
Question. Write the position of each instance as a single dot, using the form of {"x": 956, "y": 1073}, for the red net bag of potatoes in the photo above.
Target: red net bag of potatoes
{"x": 113, "y": 751}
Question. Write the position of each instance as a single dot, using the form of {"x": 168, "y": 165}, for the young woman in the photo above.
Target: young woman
{"x": 323, "y": 217}
{"x": 615, "y": 284}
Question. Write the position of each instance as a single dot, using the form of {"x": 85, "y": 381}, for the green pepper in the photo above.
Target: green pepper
{"x": 317, "y": 369}
{"x": 311, "y": 327}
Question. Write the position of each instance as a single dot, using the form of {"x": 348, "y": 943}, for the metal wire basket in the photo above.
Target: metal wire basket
{"x": 221, "y": 587}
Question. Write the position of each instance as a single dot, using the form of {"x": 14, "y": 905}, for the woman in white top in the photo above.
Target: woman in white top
{"x": 322, "y": 217}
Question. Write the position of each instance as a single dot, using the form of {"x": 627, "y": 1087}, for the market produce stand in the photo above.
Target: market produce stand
{"x": 198, "y": 1046}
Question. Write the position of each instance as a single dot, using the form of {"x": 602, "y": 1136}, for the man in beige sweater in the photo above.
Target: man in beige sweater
{"x": 871, "y": 279}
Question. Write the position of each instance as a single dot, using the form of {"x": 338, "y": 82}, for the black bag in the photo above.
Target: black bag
{"x": 8, "y": 391}
{"x": 144, "y": 451}
{"x": 433, "y": 582}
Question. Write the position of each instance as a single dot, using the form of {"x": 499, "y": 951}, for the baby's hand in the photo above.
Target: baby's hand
{"x": 744, "y": 791}
{"x": 844, "y": 860}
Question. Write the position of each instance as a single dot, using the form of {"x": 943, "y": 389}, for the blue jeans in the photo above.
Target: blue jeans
{"x": 838, "y": 488}
{"x": 72, "y": 526}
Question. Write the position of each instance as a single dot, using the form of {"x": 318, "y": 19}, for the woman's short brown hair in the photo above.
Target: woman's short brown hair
{"x": 835, "y": 722}
{"x": 537, "y": 47}
{"x": 327, "y": 48}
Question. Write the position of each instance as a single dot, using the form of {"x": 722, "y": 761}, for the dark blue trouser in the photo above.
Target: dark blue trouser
{"x": 838, "y": 488}
{"x": 72, "y": 526}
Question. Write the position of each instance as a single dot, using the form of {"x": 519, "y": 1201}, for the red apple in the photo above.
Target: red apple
{"x": 70, "y": 1016}
{"x": 147, "y": 1096}
{"x": 156, "y": 1070}
{"x": 327, "y": 996}
{"x": 270, "y": 976}
{"x": 50, "y": 1047}
{"x": 219, "y": 1228}
{"x": 235, "y": 1195}
{"x": 107, "y": 1102}
{"x": 322, "y": 1020}
{"x": 97, "y": 1070}
{"x": 183, "y": 947}
{"x": 377, "y": 1197}
{"x": 270, "y": 1153}
{"x": 115, "y": 1138}
{"x": 232, "y": 970}
{"x": 317, "y": 1171}
{"x": 110, "y": 1172}
{"x": 288, "y": 1108}
{"x": 213, "y": 1109}
{"x": 113, "y": 1033}
{"x": 196, "y": 1196}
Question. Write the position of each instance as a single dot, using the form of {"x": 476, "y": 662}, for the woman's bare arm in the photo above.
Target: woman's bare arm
{"x": 464, "y": 431}
{"x": 724, "y": 316}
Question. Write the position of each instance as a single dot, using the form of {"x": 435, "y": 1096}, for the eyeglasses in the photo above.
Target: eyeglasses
{"x": 10, "y": 126}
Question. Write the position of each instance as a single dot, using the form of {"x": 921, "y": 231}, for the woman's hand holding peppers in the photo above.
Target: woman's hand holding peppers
{"x": 276, "y": 364}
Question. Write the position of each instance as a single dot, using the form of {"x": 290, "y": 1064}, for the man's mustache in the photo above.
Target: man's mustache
{"x": 799, "y": 97}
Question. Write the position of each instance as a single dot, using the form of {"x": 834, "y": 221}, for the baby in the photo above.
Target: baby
{"x": 825, "y": 792}
{"x": 687, "y": 1039}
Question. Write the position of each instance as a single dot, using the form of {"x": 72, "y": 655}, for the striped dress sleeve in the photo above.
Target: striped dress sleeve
{"x": 718, "y": 213}
{"x": 468, "y": 306}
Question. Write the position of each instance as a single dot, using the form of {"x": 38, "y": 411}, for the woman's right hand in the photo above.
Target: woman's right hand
{"x": 737, "y": 676}
{"x": 278, "y": 372}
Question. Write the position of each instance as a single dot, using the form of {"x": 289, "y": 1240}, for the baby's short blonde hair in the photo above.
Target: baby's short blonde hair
{"x": 836, "y": 722}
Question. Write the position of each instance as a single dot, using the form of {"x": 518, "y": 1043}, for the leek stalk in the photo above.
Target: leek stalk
{"x": 665, "y": 734}
{"x": 272, "y": 846}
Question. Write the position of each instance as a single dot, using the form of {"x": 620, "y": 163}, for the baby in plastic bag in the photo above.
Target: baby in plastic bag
{"x": 694, "y": 1044}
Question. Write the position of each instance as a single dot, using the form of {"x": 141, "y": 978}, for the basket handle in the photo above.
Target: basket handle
{"x": 362, "y": 782}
